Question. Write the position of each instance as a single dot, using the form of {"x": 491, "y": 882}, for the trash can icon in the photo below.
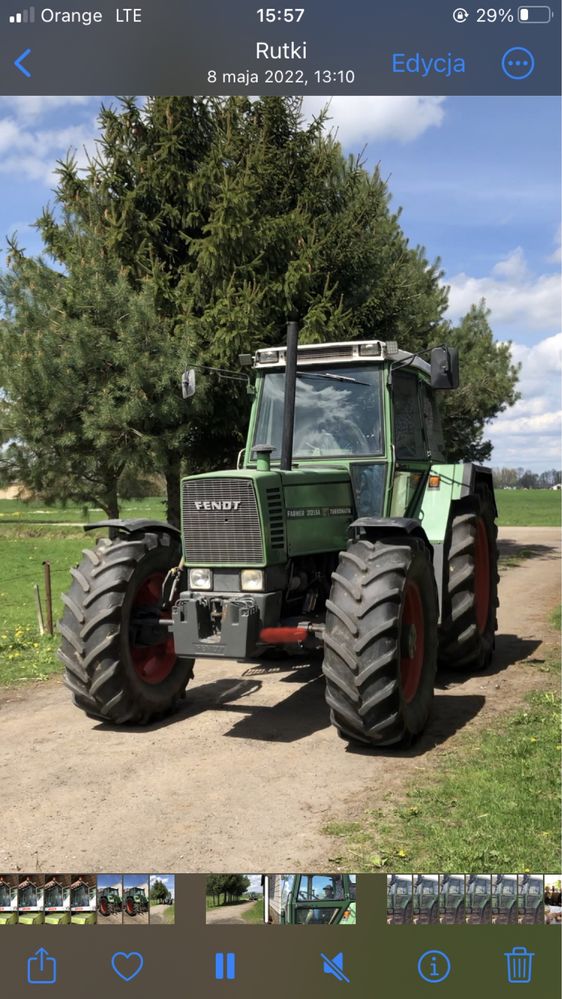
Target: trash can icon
{"x": 519, "y": 965}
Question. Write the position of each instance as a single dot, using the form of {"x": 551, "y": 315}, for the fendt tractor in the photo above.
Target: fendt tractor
{"x": 135, "y": 902}
{"x": 109, "y": 902}
{"x": 343, "y": 528}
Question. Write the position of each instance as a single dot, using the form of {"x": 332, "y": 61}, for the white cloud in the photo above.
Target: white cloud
{"x": 32, "y": 107}
{"x": 528, "y": 434}
{"x": 364, "y": 119}
{"x": 512, "y": 292}
{"x": 32, "y": 153}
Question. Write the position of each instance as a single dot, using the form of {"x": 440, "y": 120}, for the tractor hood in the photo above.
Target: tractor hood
{"x": 258, "y": 518}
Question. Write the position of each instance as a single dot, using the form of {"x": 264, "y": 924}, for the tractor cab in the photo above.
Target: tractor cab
{"x": 426, "y": 898}
{"x": 451, "y": 899}
{"x": 504, "y": 899}
{"x": 313, "y": 899}
{"x": 398, "y": 899}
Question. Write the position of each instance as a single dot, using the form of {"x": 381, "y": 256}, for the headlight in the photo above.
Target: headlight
{"x": 251, "y": 579}
{"x": 201, "y": 579}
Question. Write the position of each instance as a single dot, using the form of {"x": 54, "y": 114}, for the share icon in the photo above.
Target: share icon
{"x": 334, "y": 966}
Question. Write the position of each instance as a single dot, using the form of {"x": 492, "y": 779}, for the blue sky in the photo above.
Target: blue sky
{"x": 478, "y": 183}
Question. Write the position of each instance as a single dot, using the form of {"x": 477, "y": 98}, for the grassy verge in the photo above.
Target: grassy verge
{"x": 495, "y": 804}
{"x": 528, "y": 507}
{"x": 170, "y": 914}
{"x": 256, "y": 913}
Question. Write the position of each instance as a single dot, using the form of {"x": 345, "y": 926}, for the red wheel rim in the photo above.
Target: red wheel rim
{"x": 152, "y": 663}
{"x": 481, "y": 575}
{"x": 413, "y": 641}
{"x": 104, "y": 907}
{"x": 130, "y": 907}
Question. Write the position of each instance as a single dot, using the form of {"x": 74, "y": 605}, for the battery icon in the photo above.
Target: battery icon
{"x": 534, "y": 15}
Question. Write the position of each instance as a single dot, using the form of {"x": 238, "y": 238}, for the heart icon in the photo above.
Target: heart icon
{"x": 127, "y": 966}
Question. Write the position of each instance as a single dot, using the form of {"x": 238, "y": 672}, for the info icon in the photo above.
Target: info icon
{"x": 434, "y": 966}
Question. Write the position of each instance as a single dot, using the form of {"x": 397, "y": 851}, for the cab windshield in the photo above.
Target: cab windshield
{"x": 333, "y": 417}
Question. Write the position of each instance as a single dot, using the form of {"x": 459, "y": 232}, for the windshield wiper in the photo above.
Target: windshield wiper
{"x": 333, "y": 378}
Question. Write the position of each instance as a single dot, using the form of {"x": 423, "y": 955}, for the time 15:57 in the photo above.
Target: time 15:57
{"x": 288, "y": 14}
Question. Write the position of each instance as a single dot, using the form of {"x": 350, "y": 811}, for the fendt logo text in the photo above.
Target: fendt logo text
{"x": 217, "y": 504}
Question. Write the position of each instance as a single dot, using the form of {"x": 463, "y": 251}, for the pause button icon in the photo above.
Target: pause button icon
{"x": 225, "y": 966}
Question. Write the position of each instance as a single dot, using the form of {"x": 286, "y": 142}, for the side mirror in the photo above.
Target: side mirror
{"x": 444, "y": 368}
{"x": 188, "y": 383}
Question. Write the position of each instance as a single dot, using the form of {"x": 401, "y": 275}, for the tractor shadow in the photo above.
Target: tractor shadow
{"x": 509, "y": 649}
{"x": 514, "y": 553}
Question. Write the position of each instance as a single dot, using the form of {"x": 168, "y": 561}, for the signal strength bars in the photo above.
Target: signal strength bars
{"x": 26, "y": 16}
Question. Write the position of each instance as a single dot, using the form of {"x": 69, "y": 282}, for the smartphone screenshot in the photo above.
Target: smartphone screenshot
{"x": 280, "y": 483}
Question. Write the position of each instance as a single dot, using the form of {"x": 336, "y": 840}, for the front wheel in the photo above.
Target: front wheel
{"x": 380, "y": 641}
{"x": 120, "y": 663}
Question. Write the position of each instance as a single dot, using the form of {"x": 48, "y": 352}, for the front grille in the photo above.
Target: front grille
{"x": 276, "y": 519}
{"x": 216, "y": 536}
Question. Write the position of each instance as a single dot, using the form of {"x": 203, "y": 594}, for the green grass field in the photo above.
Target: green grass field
{"x": 256, "y": 913}
{"x": 528, "y": 507}
{"x": 31, "y": 533}
{"x": 494, "y": 803}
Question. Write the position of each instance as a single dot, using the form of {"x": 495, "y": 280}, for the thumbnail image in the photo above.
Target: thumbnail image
{"x": 135, "y": 899}
{"x": 451, "y": 899}
{"x": 399, "y": 902}
{"x": 110, "y": 899}
{"x": 312, "y": 899}
{"x": 530, "y": 899}
{"x": 504, "y": 899}
{"x": 83, "y": 902}
{"x": 426, "y": 898}
{"x": 30, "y": 899}
{"x": 162, "y": 899}
{"x": 553, "y": 899}
{"x": 235, "y": 898}
{"x": 57, "y": 899}
{"x": 8, "y": 899}
{"x": 478, "y": 899}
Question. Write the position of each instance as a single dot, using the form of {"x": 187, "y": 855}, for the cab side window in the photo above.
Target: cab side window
{"x": 432, "y": 423}
{"x": 408, "y": 432}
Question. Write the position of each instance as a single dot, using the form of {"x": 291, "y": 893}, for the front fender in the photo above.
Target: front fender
{"x": 134, "y": 527}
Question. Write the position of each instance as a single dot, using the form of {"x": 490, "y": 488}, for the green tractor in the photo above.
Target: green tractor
{"x": 109, "y": 902}
{"x": 504, "y": 899}
{"x": 343, "y": 528}
{"x": 399, "y": 899}
{"x": 135, "y": 902}
{"x": 530, "y": 901}
{"x": 479, "y": 899}
{"x": 451, "y": 899}
{"x": 426, "y": 899}
{"x": 313, "y": 899}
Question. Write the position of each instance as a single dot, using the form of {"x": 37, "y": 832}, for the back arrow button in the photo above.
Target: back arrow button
{"x": 18, "y": 63}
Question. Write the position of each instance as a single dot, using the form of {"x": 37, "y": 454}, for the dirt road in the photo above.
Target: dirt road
{"x": 158, "y": 914}
{"x": 247, "y": 774}
{"x": 229, "y": 914}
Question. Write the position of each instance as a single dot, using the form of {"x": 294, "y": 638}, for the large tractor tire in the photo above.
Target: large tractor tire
{"x": 380, "y": 641}
{"x": 471, "y": 594}
{"x": 119, "y": 664}
{"x": 104, "y": 907}
{"x": 131, "y": 907}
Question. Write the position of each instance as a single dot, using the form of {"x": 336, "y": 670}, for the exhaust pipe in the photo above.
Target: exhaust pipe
{"x": 289, "y": 402}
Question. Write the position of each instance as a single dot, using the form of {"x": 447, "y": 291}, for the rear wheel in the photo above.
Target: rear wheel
{"x": 104, "y": 906}
{"x": 131, "y": 907}
{"x": 120, "y": 664}
{"x": 380, "y": 641}
{"x": 471, "y": 595}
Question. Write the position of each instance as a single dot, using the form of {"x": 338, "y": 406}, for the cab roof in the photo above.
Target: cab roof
{"x": 346, "y": 352}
